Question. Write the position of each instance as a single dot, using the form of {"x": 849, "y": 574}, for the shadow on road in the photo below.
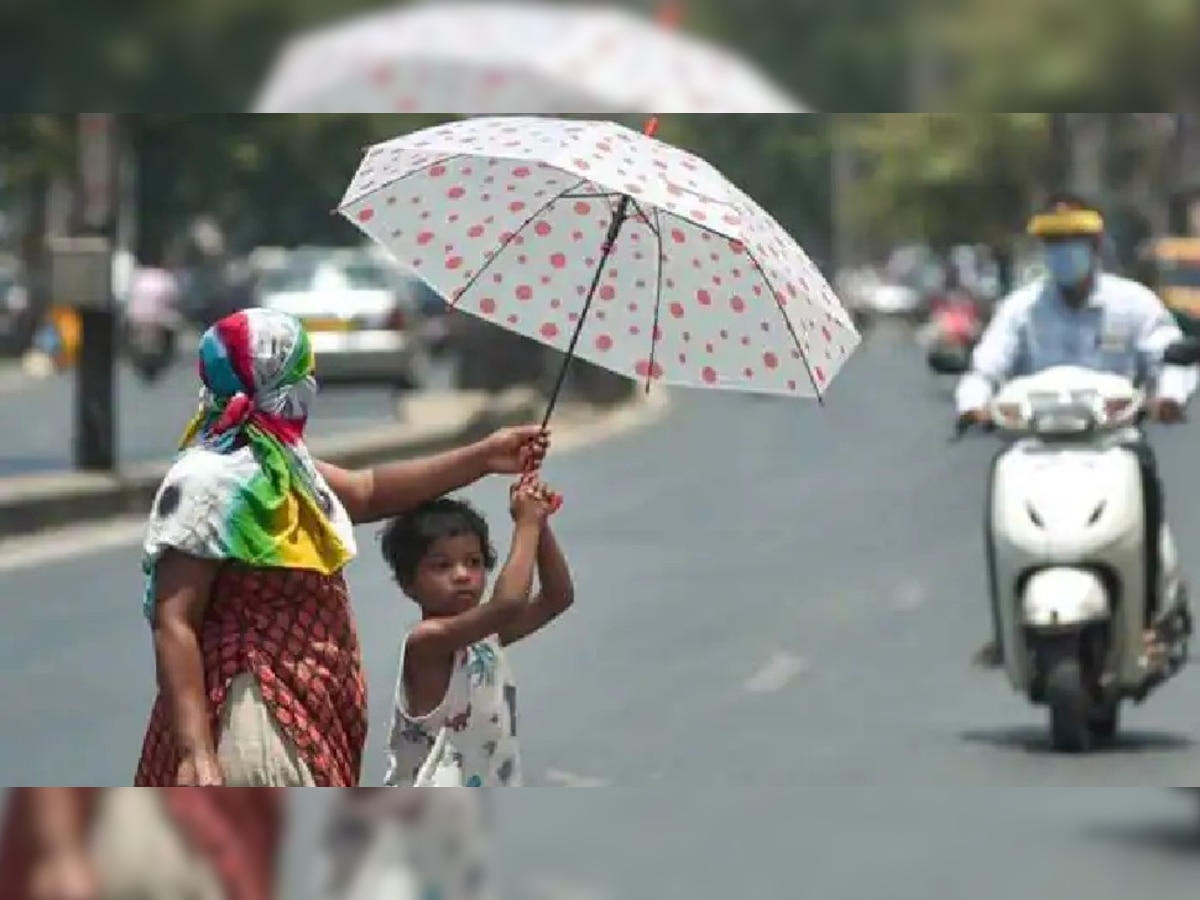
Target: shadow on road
{"x": 1174, "y": 838}
{"x": 1036, "y": 741}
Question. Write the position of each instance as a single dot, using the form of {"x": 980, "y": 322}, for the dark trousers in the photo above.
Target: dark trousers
{"x": 1153, "y": 513}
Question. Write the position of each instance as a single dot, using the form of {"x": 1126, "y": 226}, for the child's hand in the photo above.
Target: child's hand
{"x": 531, "y": 502}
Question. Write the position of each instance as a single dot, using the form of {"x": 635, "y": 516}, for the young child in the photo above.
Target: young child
{"x": 453, "y": 674}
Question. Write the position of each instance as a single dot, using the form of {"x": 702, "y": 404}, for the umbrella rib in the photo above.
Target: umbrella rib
{"x": 590, "y": 195}
{"x": 788, "y": 323}
{"x": 658, "y": 292}
{"x": 651, "y": 225}
{"x": 474, "y": 279}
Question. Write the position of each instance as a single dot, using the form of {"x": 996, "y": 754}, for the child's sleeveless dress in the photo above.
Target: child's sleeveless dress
{"x": 479, "y": 711}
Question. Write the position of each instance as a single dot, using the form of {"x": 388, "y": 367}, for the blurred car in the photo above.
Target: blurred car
{"x": 364, "y": 326}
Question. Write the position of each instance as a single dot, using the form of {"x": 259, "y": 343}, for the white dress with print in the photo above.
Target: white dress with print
{"x": 479, "y": 712}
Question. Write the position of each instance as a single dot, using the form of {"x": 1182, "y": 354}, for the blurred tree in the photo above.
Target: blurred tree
{"x": 949, "y": 178}
{"x": 1061, "y": 54}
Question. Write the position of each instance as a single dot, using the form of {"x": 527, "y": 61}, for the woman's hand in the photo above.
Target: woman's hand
{"x": 67, "y": 874}
{"x": 516, "y": 450}
{"x": 200, "y": 770}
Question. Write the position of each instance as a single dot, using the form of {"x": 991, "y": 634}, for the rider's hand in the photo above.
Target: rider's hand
{"x": 976, "y": 417}
{"x": 1167, "y": 411}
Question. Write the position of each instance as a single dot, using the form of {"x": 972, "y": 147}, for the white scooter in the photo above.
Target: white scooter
{"x": 1066, "y": 543}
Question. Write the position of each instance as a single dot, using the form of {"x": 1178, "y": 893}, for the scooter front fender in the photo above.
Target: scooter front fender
{"x": 1064, "y": 599}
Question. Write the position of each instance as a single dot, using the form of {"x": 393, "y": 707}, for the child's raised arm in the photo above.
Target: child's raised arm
{"x": 510, "y": 596}
{"x": 555, "y": 595}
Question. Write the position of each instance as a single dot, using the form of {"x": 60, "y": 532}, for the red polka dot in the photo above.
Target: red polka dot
{"x": 647, "y": 369}
{"x": 708, "y": 375}
{"x": 608, "y": 292}
{"x": 549, "y": 331}
{"x": 558, "y": 260}
{"x": 704, "y": 297}
{"x": 583, "y": 208}
{"x": 770, "y": 360}
{"x": 366, "y": 215}
{"x": 792, "y": 385}
{"x": 738, "y": 304}
{"x": 425, "y": 238}
{"x": 454, "y": 262}
{"x": 524, "y": 292}
{"x": 604, "y": 343}
{"x": 581, "y": 164}
{"x": 437, "y": 171}
{"x": 825, "y": 333}
{"x": 678, "y": 236}
{"x": 521, "y": 172}
{"x": 475, "y": 231}
{"x": 513, "y": 320}
{"x": 820, "y": 373}
{"x": 676, "y": 310}
{"x": 748, "y": 372}
{"x": 457, "y": 192}
{"x": 487, "y": 306}
{"x": 541, "y": 229}
{"x": 516, "y": 206}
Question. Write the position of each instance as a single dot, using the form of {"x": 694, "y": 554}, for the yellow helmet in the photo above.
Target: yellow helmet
{"x": 1067, "y": 217}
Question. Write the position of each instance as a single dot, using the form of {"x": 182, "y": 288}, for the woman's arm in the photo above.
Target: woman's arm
{"x": 371, "y": 495}
{"x": 58, "y": 821}
{"x": 184, "y": 584}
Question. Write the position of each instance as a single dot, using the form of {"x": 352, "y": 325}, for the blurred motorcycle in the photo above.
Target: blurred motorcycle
{"x": 954, "y": 328}
{"x": 150, "y": 349}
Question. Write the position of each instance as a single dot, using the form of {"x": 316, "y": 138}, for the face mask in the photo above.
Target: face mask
{"x": 1070, "y": 263}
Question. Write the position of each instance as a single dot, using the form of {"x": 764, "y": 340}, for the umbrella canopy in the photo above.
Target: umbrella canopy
{"x": 607, "y": 244}
{"x": 512, "y": 57}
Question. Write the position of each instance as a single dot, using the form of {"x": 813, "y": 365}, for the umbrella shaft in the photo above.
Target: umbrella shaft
{"x": 610, "y": 241}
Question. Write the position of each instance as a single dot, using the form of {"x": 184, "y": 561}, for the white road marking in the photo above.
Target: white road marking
{"x": 558, "y": 778}
{"x": 547, "y": 887}
{"x": 776, "y": 674}
{"x": 90, "y": 539}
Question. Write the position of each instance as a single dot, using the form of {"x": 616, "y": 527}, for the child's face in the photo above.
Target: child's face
{"x": 451, "y": 576}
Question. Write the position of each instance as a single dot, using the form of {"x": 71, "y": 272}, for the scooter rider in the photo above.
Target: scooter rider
{"x": 1079, "y": 315}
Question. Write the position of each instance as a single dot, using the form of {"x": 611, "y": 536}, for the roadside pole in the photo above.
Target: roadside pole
{"x": 82, "y": 270}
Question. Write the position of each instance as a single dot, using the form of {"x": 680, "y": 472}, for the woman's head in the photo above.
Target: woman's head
{"x": 255, "y": 352}
{"x": 257, "y": 361}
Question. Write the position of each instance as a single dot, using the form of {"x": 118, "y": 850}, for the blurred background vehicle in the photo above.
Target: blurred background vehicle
{"x": 361, "y": 313}
{"x": 1170, "y": 266}
{"x": 18, "y": 316}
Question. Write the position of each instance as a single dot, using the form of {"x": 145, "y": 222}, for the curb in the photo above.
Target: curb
{"x": 90, "y": 498}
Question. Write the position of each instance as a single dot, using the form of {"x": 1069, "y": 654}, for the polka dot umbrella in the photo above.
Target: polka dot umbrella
{"x": 609, "y": 245}
{"x": 497, "y": 56}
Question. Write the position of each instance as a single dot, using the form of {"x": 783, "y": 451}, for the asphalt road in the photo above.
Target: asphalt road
{"x": 37, "y": 416}
{"x": 776, "y": 608}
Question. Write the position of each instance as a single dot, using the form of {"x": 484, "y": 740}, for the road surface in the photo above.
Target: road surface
{"x": 37, "y": 416}
{"x": 777, "y": 604}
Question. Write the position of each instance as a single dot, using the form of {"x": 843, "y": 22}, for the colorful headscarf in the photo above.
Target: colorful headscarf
{"x": 245, "y": 487}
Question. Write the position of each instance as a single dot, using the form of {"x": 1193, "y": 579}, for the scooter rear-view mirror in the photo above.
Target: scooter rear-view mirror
{"x": 1185, "y": 352}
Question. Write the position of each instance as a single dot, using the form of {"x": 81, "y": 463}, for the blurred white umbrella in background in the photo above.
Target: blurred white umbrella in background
{"x": 521, "y": 58}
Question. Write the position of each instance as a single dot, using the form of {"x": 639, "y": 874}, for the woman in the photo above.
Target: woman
{"x": 259, "y": 666}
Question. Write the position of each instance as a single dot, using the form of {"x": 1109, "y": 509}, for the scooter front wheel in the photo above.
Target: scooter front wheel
{"x": 1071, "y": 727}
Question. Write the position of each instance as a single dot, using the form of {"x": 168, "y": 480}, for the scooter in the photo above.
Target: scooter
{"x": 1065, "y": 545}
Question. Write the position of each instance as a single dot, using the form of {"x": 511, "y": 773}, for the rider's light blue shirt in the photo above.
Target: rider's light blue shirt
{"x": 1123, "y": 328}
